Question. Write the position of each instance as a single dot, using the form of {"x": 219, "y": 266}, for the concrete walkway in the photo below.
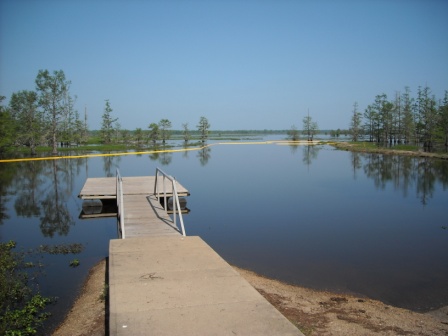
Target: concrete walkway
{"x": 174, "y": 285}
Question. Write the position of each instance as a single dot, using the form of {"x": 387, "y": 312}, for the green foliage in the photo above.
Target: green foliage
{"x": 107, "y": 127}
{"x": 21, "y": 310}
{"x": 6, "y": 128}
{"x": 203, "y": 128}
{"x": 53, "y": 92}
{"x": 29, "y": 119}
{"x": 74, "y": 263}
{"x": 154, "y": 132}
{"x": 164, "y": 127}
{"x": 293, "y": 133}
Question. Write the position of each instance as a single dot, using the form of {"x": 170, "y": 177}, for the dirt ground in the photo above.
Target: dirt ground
{"x": 313, "y": 312}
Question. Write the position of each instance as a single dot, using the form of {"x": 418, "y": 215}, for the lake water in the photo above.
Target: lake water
{"x": 366, "y": 224}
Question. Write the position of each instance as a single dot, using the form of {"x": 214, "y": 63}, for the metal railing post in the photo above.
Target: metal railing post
{"x": 120, "y": 206}
{"x": 176, "y": 204}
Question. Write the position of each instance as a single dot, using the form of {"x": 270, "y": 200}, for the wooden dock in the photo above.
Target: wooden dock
{"x": 105, "y": 187}
{"x": 143, "y": 216}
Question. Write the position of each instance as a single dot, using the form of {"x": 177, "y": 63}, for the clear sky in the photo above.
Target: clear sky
{"x": 242, "y": 64}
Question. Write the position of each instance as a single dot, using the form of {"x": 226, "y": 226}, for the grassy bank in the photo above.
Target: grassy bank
{"x": 372, "y": 147}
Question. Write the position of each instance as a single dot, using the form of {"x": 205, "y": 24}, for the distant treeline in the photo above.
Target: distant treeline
{"x": 422, "y": 119}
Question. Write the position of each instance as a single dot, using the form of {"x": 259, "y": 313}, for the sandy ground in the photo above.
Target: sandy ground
{"x": 313, "y": 312}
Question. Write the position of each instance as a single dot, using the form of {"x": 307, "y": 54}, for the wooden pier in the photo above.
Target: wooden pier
{"x": 144, "y": 215}
{"x": 163, "y": 283}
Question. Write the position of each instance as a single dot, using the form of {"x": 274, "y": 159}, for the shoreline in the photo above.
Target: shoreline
{"x": 313, "y": 312}
{"x": 353, "y": 147}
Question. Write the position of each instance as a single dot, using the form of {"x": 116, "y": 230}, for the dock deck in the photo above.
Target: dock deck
{"x": 105, "y": 187}
{"x": 181, "y": 286}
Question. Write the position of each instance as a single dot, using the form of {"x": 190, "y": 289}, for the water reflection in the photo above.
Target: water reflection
{"x": 310, "y": 153}
{"x": 403, "y": 172}
{"x": 110, "y": 164}
{"x": 204, "y": 155}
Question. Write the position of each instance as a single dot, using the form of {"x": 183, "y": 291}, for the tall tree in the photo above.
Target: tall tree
{"x": 154, "y": 132}
{"x": 6, "y": 127}
{"x": 427, "y": 116}
{"x": 310, "y": 127}
{"x": 24, "y": 108}
{"x": 408, "y": 116}
{"x": 443, "y": 118}
{"x": 138, "y": 136}
{"x": 164, "y": 127}
{"x": 203, "y": 128}
{"x": 355, "y": 124}
{"x": 68, "y": 122}
{"x": 293, "y": 133}
{"x": 107, "y": 126}
{"x": 369, "y": 126}
{"x": 186, "y": 132}
{"x": 52, "y": 90}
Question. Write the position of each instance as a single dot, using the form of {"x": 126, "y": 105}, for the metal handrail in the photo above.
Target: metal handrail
{"x": 120, "y": 207}
{"x": 176, "y": 203}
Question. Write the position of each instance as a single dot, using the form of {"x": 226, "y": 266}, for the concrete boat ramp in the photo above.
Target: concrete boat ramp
{"x": 171, "y": 284}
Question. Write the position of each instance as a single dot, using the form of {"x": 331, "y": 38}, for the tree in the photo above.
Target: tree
{"x": 186, "y": 132}
{"x": 6, "y": 127}
{"x": 107, "y": 127}
{"x": 203, "y": 128}
{"x": 310, "y": 127}
{"x": 164, "y": 127}
{"x": 408, "y": 116}
{"x": 427, "y": 116}
{"x": 355, "y": 124}
{"x": 25, "y": 110}
{"x": 52, "y": 90}
{"x": 293, "y": 133}
{"x": 443, "y": 118}
{"x": 369, "y": 126}
{"x": 138, "y": 135}
{"x": 154, "y": 132}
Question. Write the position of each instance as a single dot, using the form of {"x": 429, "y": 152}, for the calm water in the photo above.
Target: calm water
{"x": 367, "y": 224}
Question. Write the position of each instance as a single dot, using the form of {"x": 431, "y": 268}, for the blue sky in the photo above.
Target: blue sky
{"x": 242, "y": 64}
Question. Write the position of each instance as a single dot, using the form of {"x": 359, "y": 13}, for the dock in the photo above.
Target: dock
{"x": 164, "y": 283}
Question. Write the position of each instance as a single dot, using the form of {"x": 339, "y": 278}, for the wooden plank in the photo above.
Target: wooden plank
{"x": 105, "y": 188}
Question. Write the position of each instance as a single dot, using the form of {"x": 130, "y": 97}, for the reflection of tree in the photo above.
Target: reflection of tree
{"x": 185, "y": 153}
{"x": 154, "y": 156}
{"x": 7, "y": 173}
{"x": 294, "y": 148}
{"x": 165, "y": 158}
{"x": 310, "y": 153}
{"x": 403, "y": 171}
{"x": 356, "y": 163}
{"x": 27, "y": 203}
{"x": 57, "y": 218}
{"x": 109, "y": 163}
{"x": 204, "y": 155}
{"x": 425, "y": 179}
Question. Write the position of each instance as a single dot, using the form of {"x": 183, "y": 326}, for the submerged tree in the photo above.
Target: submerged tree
{"x": 186, "y": 132}
{"x": 203, "y": 128}
{"x": 6, "y": 127}
{"x": 107, "y": 127}
{"x": 52, "y": 91}
{"x": 154, "y": 133}
{"x": 293, "y": 133}
{"x": 164, "y": 127}
{"x": 355, "y": 124}
{"x": 310, "y": 127}
{"x": 25, "y": 110}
